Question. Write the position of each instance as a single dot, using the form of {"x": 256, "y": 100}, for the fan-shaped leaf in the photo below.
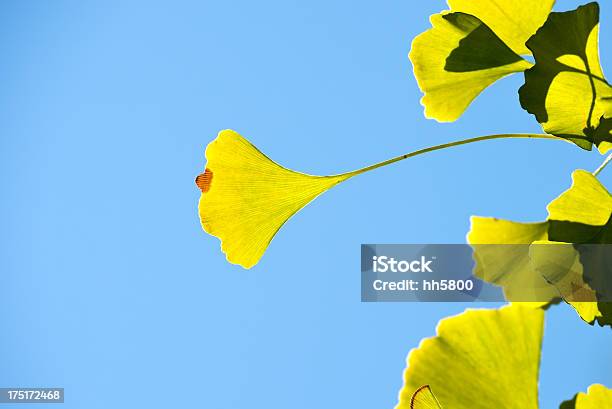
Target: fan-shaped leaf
{"x": 514, "y": 21}
{"x": 455, "y": 60}
{"x": 570, "y": 252}
{"x": 480, "y": 359}
{"x": 566, "y": 89}
{"x": 597, "y": 397}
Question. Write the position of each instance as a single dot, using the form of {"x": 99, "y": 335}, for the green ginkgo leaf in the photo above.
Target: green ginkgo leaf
{"x": 470, "y": 47}
{"x": 562, "y": 251}
{"x": 597, "y": 397}
{"x": 424, "y": 398}
{"x": 566, "y": 89}
{"x": 480, "y": 359}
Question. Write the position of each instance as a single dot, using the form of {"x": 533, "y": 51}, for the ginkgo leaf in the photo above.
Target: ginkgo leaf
{"x": 571, "y": 251}
{"x": 246, "y": 197}
{"x": 592, "y": 312}
{"x": 456, "y": 60}
{"x": 501, "y": 255}
{"x": 582, "y": 215}
{"x": 566, "y": 89}
{"x": 514, "y": 21}
{"x": 560, "y": 265}
{"x": 491, "y": 230}
{"x": 470, "y": 47}
{"x": 424, "y": 398}
{"x": 587, "y": 202}
{"x": 480, "y": 359}
{"x": 597, "y": 397}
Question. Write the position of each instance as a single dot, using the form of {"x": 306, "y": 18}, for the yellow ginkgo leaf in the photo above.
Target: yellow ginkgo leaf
{"x": 470, "y": 47}
{"x": 559, "y": 263}
{"x": 587, "y": 201}
{"x": 424, "y": 398}
{"x": 491, "y": 230}
{"x": 501, "y": 253}
{"x": 591, "y": 312}
{"x": 514, "y": 21}
{"x": 456, "y": 60}
{"x": 480, "y": 359}
{"x": 597, "y": 397}
{"x": 246, "y": 197}
{"x": 569, "y": 253}
{"x": 566, "y": 89}
{"x": 582, "y": 215}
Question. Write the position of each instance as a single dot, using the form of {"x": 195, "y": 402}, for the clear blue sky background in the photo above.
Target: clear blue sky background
{"x": 110, "y": 288}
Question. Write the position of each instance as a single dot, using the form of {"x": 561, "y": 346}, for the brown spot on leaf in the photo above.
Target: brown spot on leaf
{"x": 204, "y": 180}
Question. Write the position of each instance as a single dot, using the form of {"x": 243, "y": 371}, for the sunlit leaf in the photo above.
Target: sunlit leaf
{"x": 456, "y": 60}
{"x": 568, "y": 251}
{"x": 597, "y": 397}
{"x": 566, "y": 89}
{"x": 587, "y": 202}
{"x": 491, "y": 230}
{"x": 514, "y": 21}
{"x": 470, "y": 47}
{"x": 480, "y": 359}
{"x": 582, "y": 215}
{"x": 501, "y": 255}
{"x": 246, "y": 197}
{"x": 424, "y": 398}
{"x": 560, "y": 265}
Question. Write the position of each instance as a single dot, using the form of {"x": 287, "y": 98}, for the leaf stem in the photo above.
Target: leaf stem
{"x": 450, "y": 145}
{"x": 603, "y": 165}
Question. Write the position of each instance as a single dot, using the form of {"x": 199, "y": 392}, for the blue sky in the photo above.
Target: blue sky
{"x": 109, "y": 287}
